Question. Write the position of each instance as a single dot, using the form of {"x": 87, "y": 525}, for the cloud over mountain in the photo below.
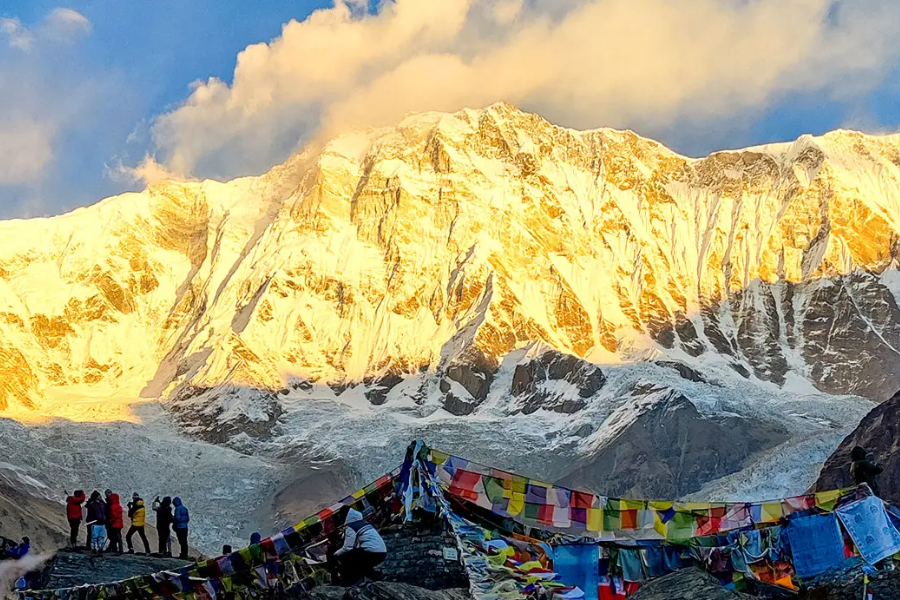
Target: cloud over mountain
{"x": 583, "y": 63}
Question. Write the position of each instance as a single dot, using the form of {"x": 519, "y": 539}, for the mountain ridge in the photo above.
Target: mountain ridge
{"x": 331, "y": 199}
{"x": 531, "y": 296}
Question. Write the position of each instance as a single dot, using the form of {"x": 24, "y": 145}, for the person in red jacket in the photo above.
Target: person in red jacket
{"x": 114, "y": 523}
{"x": 73, "y": 513}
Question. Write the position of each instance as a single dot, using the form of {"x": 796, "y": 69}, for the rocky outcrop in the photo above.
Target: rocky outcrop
{"x": 658, "y": 445}
{"x": 217, "y": 414}
{"x": 687, "y": 584}
{"x": 879, "y": 433}
{"x": 383, "y": 591}
{"x": 23, "y": 513}
{"x": 683, "y": 370}
{"x": 846, "y": 583}
{"x": 554, "y": 381}
{"x": 70, "y": 569}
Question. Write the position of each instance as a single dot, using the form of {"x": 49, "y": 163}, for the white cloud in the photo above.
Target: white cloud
{"x": 39, "y": 99}
{"x": 584, "y": 63}
{"x": 60, "y": 24}
{"x": 63, "y": 23}
{"x": 17, "y": 35}
{"x": 149, "y": 171}
{"x": 25, "y": 151}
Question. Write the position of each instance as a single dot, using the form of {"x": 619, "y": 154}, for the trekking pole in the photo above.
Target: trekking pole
{"x": 865, "y": 595}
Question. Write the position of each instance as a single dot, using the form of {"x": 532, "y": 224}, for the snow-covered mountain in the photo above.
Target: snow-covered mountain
{"x": 499, "y": 283}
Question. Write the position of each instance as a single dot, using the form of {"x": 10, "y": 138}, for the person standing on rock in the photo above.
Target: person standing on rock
{"x": 181, "y": 519}
{"x": 363, "y": 548}
{"x": 96, "y": 522}
{"x": 74, "y": 515}
{"x": 163, "y": 512}
{"x": 864, "y": 470}
{"x": 115, "y": 523}
{"x": 137, "y": 512}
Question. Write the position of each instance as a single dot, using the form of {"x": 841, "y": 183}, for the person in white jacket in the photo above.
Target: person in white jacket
{"x": 363, "y": 549}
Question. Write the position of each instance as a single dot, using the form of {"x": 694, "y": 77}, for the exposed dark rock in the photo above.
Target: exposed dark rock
{"x": 340, "y": 387}
{"x": 300, "y": 384}
{"x": 687, "y": 335}
{"x": 385, "y": 591}
{"x": 530, "y": 380}
{"x": 846, "y": 583}
{"x": 218, "y": 414}
{"x": 476, "y": 379}
{"x": 22, "y": 513}
{"x": 758, "y": 332}
{"x": 687, "y": 584}
{"x": 474, "y": 372}
{"x": 379, "y": 388}
{"x": 851, "y": 331}
{"x": 458, "y": 406}
{"x": 879, "y": 433}
{"x": 71, "y": 569}
{"x": 666, "y": 449}
{"x": 740, "y": 370}
{"x": 685, "y": 371}
{"x": 584, "y": 430}
{"x": 722, "y": 344}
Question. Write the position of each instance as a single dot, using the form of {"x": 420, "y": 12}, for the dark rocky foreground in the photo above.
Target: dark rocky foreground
{"x": 847, "y": 584}
{"x": 689, "y": 584}
{"x": 70, "y": 569}
{"x": 385, "y": 591}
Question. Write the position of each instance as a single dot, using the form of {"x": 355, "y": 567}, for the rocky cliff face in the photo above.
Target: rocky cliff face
{"x": 879, "y": 433}
{"x": 664, "y": 447}
{"x": 484, "y": 262}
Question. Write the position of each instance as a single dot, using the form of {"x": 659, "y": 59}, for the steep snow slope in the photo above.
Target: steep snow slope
{"x": 486, "y": 278}
{"x": 461, "y": 238}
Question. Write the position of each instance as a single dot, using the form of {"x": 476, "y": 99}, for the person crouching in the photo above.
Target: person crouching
{"x": 363, "y": 548}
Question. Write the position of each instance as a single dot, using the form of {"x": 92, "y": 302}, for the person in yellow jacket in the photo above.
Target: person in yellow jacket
{"x": 138, "y": 515}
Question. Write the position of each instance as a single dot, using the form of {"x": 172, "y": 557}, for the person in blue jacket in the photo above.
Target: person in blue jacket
{"x": 180, "y": 524}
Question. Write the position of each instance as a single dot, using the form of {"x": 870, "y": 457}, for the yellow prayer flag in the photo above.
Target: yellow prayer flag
{"x": 595, "y": 519}
{"x": 826, "y": 500}
{"x": 771, "y": 511}
{"x": 516, "y": 504}
{"x": 658, "y": 525}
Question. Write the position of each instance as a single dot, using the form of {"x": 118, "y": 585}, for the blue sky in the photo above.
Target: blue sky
{"x": 92, "y": 91}
{"x": 142, "y": 56}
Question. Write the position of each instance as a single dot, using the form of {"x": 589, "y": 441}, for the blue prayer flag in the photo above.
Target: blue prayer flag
{"x": 872, "y": 532}
{"x": 579, "y": 565}
{"x": 816, "y": 544}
